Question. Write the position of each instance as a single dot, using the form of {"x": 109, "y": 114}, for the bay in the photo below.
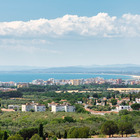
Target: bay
{"x": 28, "y": 77}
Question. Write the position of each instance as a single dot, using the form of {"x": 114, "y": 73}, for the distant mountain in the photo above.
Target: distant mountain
{"x": 117, "y": 68}
{"x": 18, "y": 68}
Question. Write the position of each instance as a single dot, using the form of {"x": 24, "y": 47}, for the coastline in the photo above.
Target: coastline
{"x": 136, "y": 76}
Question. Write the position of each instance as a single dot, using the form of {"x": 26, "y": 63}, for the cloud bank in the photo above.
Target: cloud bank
{"x": 101, "y": 25}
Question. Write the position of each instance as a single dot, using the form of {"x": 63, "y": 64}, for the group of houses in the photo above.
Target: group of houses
{"x": 36, "y": 107}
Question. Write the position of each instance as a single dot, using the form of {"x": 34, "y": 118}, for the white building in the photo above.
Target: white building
{"x": 14, "y": 107}
{"x": 137, "y": 100}
{"x": 33, "y": 106}
{"x": 121, "y": 107}
{"x": 59, "y": 108}
{"x": 79, "y": 102}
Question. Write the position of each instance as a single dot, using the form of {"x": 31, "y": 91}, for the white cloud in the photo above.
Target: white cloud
{"x": 101, "y": 25}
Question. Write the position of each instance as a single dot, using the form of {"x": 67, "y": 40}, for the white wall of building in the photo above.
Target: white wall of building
{"x": 66, "y": 108}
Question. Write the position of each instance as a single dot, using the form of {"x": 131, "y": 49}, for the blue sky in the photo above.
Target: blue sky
{"x": 56, "y": 33}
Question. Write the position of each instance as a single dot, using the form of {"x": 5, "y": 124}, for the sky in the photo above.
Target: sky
{"x": 55, "y": 33}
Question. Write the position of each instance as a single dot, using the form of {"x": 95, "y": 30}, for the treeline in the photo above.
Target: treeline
{"x": 11, "y": 94}
{"x": 93, "y": 86}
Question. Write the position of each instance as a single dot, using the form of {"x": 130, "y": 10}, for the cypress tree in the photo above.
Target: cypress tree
{"x": 5, "y": 136}
{"x": 40, "y": 130}
{"x": 65, "y": 134}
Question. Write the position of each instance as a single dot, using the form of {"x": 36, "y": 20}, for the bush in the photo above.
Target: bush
{"x": 36, "y": 137}
{"x": 15, "y": 137}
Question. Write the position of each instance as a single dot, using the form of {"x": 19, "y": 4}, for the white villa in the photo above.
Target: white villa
{"x": 121, "y": 107}
{"x": 14, "y": 107}
{"x": 33, "y": 106}
{"x": 63, "y": 107}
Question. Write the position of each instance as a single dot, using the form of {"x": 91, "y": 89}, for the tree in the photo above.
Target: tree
{"x": 65, "y": 134}
{"x": 123, "y": 103}
{"x": 129, "y": 129}
{"x": 109, "y": 128}
{"x": 135, "y": 106}
{"x": 105, "y": 102}
{"x": 36, "y": 137}
{"x": 130, "y": 97}
{"x": 125, "y": 127}
{"x": 113, "y": 95}
{"x": 15, "y": 137}
{"x": 59, "y": 135}
{"x": 54, "y": 138}
{"x": 69, "y": 119}
{"x": 28, "y": 132}
{"x": 5, "y": 136}
{"x": 82, "y": 132}
{"x": 40, "y": 130}
{"x": 95, "y": 102}
{"x": 113, "y": 101}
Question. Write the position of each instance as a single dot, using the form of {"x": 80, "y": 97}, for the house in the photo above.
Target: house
{"x": 79, "y": 102}
{"x": 137, "y": 100}
{"x": 121, "y": 107}
{"x": 33, "y": 106}
{"x": 53, "y": 103}
{"x": 63, "y": 107}
{"x": 15, "y": 107}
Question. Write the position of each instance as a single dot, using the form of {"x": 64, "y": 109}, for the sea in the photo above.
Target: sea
{"x": 29, "y": 77}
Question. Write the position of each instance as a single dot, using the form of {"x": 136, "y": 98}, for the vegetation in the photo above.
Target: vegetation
{"x": 80, "y": 124}
{"x": 135, "y": 106}
{"x": 109, "y": 128}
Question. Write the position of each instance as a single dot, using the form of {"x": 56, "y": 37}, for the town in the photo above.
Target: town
{"x": 122, "y": 95}
{"x": 88, "y": 103}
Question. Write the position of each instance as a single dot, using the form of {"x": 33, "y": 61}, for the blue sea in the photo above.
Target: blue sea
{"x": 28, "y": 77}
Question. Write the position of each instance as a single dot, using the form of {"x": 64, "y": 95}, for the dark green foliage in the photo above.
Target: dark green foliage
{"x": 109, "y": 128}
{"x": 68, "y": 119}
{"x": 5, "y": 136}
{"x": 100, "y": 108}
{"x": 54, "y": 138}
{"x": 10, "y": 94}
{"x": 36, "y": 137}
{"x": 1, "y": 134}
{"x": 28, "y": 132}
{"x": 59, "y": 135}
{"x": 82, "y": 132}
{"x": 80, "y": 109}
{"x": 32, "y": 110}
{"x": 123, "y": 103}
{"x": 65, "y": 134}
{"x": 113, "y": 101}
{"x": 95, "y": 119}
{"x": 123, "y": 112}
{"x": 57, "y": 121}
{"x": 15, "y": 137}
{"x": 130, "y": 97}
{"x": 40, "y": 130}
{"x": 135, "y": 106}
{"x": 125, "y": 127}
